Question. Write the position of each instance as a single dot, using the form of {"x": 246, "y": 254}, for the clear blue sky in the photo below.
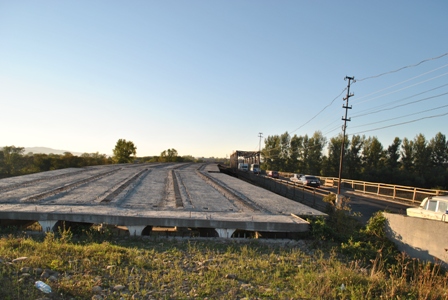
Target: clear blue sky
{"x": 206, "y": 77}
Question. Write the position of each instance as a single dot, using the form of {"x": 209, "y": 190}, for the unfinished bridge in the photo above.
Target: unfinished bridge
{"x": 140, "y": 197}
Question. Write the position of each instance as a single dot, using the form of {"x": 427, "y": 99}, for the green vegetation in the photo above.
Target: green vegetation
{"x": 346, "y": 261}
{"x": 124, "y": 152}
{"x": 14, "y": 162}
{"x": 417, "y": 162}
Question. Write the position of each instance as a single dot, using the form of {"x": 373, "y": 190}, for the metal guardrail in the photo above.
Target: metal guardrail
{"x": 412, "y": 195}
{"x": 297, "y": 185}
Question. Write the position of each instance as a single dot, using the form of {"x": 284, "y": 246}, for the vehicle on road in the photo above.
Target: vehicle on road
{"x": 310, "y": 180}
{"x": 296, "y": 177}
{"x": 255, "y": 168}
{"x": 243, "y": 167}
{"x": 273, "y": 174}
{"x": 434, "y": 208}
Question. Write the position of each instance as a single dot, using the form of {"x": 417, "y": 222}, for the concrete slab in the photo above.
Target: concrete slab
{"x": 148, "y": 195}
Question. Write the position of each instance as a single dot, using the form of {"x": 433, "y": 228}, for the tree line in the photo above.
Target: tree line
{"x": 416, "y": 162}
{"x": 14, "y": 161}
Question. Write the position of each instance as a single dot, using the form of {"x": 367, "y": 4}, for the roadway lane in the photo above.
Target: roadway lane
{"x": 368, "y": 206}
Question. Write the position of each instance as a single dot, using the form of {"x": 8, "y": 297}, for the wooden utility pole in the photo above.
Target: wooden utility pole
{"x": 343, "y": 134}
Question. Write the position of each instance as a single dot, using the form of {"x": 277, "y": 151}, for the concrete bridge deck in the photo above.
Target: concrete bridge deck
{"x": 143, "y": 196}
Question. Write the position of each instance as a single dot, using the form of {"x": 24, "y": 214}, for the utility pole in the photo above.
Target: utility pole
{"x": 260, "y": 135}
{"x": 343, "y": 135}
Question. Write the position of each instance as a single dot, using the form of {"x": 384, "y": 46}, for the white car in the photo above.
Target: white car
{"x": 435, "y": 208}
{"x": 296, "y": 177}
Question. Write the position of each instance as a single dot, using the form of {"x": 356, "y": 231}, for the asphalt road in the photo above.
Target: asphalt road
{"x": 368, "y": 206}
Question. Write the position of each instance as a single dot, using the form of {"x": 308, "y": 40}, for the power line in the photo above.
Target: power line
{"x": 404, "y": 81}
{"x": 398, "y": 124}
{"x": 405, "y": 67}
{"x": 320, "y": 111}
{"x": 401, "y": 105}
{"x": 400, "y": 117}
{"x": 334, "y": 128}
{"x": 404, "y": 88}
{"x": 366, "y": 111}
{"x": 279, "y": 147}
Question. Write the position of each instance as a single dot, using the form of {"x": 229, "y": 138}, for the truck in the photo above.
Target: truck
{"x": 255, "y": 168}
{"x": 243, "y": 167}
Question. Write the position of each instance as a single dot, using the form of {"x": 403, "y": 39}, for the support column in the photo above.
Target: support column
{"x": 48, "y": 225}
{"x": 225, "y": 232}
{"x": 136, "y": 230}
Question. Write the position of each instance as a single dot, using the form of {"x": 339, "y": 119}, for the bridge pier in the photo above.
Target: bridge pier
{"x": 47, "y": 225}
{"x": 225, "y": 232}
{"x": 136, "y": 230}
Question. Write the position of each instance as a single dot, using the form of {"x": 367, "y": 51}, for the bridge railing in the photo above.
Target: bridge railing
{"x": 409, "y": 194}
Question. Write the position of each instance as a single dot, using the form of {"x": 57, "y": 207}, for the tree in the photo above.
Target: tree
{"x": 422, "y": 155}
{"x": 302, "y": 150}
{"x": 271, "y": 152}
{"x": 295, "y": 164}
{"x": 315, "y": 146}
{"x": 123, "y": 151}
{"x": 353, "y": 164}
{"x": 11, "y": 160}
{"x": 439, "y": 150}
{"x": 285, "y": 142}
{"x": 41, "y": 162}
{"x": 93, "y": 159}
{"x": 438, "y": 176}
{"x": 331, "y": 166}
{"x": 169, "y": 155}
{"x": 372, "y": 153}
{"x": 188, "y": 158}
{"x": 393, "y": 154}
{"x": 372, "y": 158}
{"x": 407, "y": 156}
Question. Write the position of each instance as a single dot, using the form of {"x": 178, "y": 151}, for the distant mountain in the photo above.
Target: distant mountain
{"x": 45, "y": 150}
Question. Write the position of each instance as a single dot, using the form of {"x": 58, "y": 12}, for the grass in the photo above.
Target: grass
{"x": 329, "y": 264}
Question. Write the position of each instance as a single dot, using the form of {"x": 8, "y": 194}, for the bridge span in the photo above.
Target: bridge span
{"x": 141, "y": 197}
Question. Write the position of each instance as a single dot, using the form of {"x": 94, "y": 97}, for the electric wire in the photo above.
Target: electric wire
{"x": 404, "y": 88}
{"x": 401, "y": 105}
{"x": 402, "y": 68}
{"x": 397, "y": 84}
{"x": 330, "y": 131}
{"x": 400, "y": 117}
{"x": 328, "y": 105}
{"x": 366, "y": 111}
{"x": 279, "y": 147}
{"x": 398, "y": 124}
{"x": 320, "y": 111}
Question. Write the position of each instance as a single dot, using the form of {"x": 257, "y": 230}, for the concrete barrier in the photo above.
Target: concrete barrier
{"x": 296, "y": 192}
{"x": 424, "y": 239}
